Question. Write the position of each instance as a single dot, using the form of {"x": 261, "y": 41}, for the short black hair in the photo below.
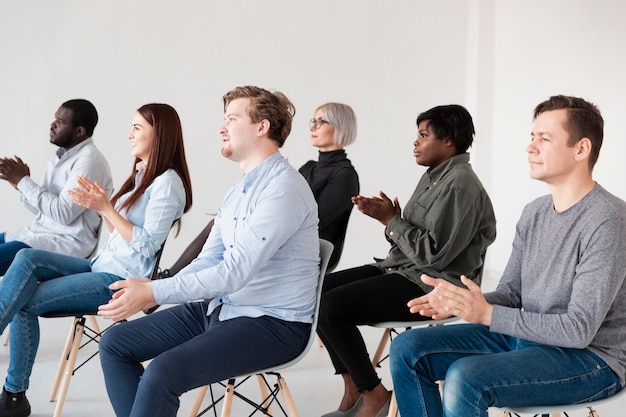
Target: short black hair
{"x": 450, "y": 121}
{"x": 83, "y": 114}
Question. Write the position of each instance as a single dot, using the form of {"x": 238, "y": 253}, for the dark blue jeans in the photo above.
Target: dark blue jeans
{"x": 7, "y": 252}
{"x": 483, "y": 369}
{"x": 188, "y": 350}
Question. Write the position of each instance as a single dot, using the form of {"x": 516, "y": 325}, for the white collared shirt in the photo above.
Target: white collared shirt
{"x": 60, "y": 225}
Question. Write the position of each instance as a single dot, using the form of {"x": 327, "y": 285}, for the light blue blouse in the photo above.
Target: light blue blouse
{"x": 152, "y": 216}
{"x": 262, "y": 256}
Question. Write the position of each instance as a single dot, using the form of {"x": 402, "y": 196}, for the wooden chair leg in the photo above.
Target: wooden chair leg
{"x": 381, "y": 347}
{"x": 197, "y": 402}
{"x": 69, "y": 367}
{"x": 228, "y": 398}
{"x": 64, "y": 358}
{"x": 290, "y": 405}
{"x": 95, "y": 325}
{"x": 264, "y": 392}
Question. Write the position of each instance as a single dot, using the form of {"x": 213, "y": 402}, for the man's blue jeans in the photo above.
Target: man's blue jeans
{"x": 188, "y": 350}
{"x": 38, "y": 282}
{"x": 482, "y": 369}
{"x": 8, "y": 250}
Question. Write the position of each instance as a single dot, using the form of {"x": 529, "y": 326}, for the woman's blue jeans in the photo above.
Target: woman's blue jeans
{"x": 8, "y": 250}
{"x": 38, "y": 282}
{"x": 188, "y": 350}
{"x": 482, "y": 369}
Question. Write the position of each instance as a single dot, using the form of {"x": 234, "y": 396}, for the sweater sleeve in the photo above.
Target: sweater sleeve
{"x": 567, "y": 303}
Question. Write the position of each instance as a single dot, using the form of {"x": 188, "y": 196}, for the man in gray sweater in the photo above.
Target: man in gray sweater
{"x": 554, "y": 330}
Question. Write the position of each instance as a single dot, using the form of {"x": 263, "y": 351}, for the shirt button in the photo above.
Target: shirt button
{"x": 391, "y": 233}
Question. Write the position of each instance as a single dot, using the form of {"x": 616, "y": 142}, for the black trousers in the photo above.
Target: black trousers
{"x": 360, "y": 296}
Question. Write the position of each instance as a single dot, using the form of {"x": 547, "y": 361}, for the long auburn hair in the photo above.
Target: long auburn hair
{"x": 167, "y": 151}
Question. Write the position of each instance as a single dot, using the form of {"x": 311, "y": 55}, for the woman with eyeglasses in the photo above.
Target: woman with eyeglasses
{"x": 332, "y": 177}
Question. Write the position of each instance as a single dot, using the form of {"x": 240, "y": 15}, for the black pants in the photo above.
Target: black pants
{"x": 360, "y": 296}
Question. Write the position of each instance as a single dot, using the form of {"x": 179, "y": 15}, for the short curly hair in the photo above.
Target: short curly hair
{"x": 274, "y": 107}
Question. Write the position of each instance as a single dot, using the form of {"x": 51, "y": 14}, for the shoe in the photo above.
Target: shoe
{"x": 349, "y": 413}
{"x": 385, "y": 410}
{"x": 14, "y": 404}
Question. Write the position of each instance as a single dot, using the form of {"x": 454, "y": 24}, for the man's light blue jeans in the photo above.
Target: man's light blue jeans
{"x": 482, "y": 369}
{"x": 38, "y": 282}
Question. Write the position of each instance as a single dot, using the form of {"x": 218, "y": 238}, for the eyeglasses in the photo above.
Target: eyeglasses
{"x": 317, "y": 123}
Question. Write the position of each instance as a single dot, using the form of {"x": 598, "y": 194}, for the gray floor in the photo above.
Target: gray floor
{"x": 312, "y": 383}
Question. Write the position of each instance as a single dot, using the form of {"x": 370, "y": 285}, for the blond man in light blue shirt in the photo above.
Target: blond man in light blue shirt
{"x": 259, "y": 265}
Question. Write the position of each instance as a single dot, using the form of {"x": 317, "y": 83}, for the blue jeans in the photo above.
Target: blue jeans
{"x": 482, "y": 369}
{"x": 189, "y": 349}
{"x": 38, "y": 282}
{"x": 8, "y": 250}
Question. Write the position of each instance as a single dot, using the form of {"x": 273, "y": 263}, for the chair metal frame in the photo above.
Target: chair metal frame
{"x": 74, "y": 343}
{"x": 269, "y": 392}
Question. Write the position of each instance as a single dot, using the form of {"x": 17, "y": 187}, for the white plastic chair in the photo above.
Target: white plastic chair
{"x": 269, "y": 395}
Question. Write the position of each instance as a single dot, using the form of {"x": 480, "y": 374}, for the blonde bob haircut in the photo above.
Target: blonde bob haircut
{"x": 342, "y": 118}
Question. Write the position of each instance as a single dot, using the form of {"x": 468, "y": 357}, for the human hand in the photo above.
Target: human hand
{"x": 429, "y": 305}
{"x": 380, "y": 208}
{"x": 90, "y": 194}
{"x": 447, "y": 300}
{"x": 134, "y": 295}
{"x": 422, "y": 306}
{"x": 13, "y": 170}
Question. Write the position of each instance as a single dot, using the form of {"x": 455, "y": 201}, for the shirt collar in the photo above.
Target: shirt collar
{"x": 260, "y": 170}
{"x": 63, "y": 153}
{"x": 140, "y": 166}
{"x": 436, "y": 174}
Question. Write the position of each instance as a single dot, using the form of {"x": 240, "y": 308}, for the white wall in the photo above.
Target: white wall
{"x": 389, "y": 60}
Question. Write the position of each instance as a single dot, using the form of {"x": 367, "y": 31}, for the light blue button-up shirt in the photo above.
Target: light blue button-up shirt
{"x": 262, "y": 256}
{"x": 152, "y": 216}
{"x": 60, "y": 225}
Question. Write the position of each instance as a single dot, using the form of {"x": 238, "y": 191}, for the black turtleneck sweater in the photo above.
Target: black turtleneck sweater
{"x": 333, "y": 181}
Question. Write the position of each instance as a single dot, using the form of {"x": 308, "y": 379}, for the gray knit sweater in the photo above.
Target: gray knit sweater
{"x": 564, "y": 283}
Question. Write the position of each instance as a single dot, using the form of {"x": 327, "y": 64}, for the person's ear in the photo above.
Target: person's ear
{"x": 583, "y": 149}
{"x": 264, "y": 127}
{"x": 80, "y": 132}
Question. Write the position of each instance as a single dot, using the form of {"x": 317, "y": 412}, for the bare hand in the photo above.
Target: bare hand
{"x": 447, "y": 300}
{"x": 90, "y": 194}
{"x": 380, "y": 208}
{"x": 422, "y": 306}
{"x": 134, "y": 295}
{"x": 13, "y": 170}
